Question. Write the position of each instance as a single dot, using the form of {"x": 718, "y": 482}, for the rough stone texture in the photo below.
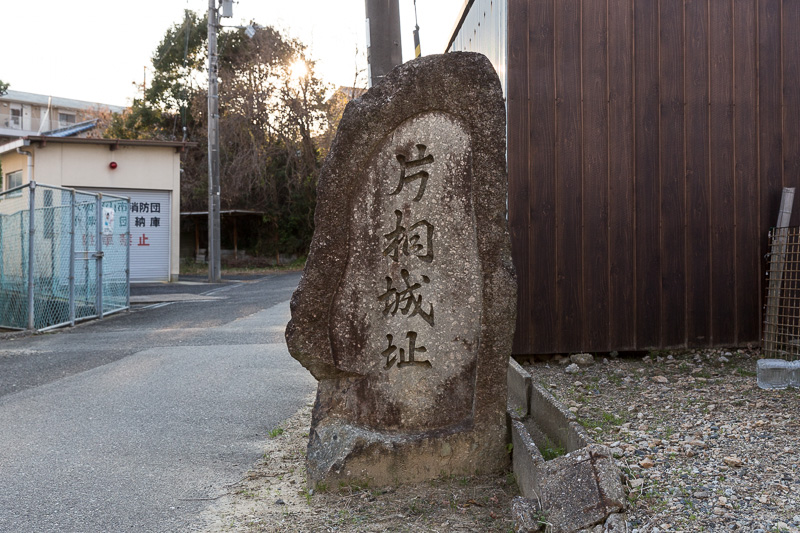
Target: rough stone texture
{"x": 616, "y": 524}
{"x": 526, "y": 515}
{"x": 582, "y": 359}
{"x": 406, "y": 309}
{"x": 577, "y": 490}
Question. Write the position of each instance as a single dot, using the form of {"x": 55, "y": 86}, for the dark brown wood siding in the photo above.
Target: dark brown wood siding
{"x": 648, "y": 143}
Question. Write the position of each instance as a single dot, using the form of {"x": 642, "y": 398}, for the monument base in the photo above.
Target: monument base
{"x": 342, "y": 454}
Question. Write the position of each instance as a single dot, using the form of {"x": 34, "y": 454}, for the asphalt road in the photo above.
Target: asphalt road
{"x": 136, "y": 422}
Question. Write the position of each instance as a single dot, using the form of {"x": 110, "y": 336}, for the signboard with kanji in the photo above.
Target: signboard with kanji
{"x": 149, "y": 217}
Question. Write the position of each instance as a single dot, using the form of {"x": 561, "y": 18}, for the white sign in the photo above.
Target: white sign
{"x": 108, "y": 221}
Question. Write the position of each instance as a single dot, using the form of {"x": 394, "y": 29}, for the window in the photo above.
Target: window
{"x": 15, "y": 118}
{"x": 66, "y": 119}
{"x": 13, "y": 179}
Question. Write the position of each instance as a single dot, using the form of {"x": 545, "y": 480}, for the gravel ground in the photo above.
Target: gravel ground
{"x": 703, "y": 448}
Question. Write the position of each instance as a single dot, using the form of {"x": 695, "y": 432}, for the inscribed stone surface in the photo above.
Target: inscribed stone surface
{"x": 405, "y": 312}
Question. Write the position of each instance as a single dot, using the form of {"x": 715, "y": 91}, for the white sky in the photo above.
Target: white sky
{"x": 96, "y": 50}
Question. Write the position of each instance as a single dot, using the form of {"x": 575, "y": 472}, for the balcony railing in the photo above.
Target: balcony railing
{"x": 27, "y": 125}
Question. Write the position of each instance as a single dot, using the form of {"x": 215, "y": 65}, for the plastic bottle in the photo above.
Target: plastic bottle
{"x": 774, "y": 373}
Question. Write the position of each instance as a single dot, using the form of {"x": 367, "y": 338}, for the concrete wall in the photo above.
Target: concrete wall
{"x": 11, "y": 163}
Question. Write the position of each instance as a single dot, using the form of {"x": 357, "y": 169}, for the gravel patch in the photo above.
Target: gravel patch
{"x": 703, "y": 448}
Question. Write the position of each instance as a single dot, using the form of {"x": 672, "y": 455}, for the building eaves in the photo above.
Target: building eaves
{"x": 113, "y": 144}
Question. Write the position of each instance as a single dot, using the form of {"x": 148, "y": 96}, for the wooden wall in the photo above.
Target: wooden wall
{"x": 648, "y": 143}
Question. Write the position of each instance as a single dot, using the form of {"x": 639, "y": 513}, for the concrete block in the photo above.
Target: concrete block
{"x": 556, "y": 421}
{"x": 526, "y": 457}
{"x": 576, "y": 491}
{"x": 519, "y": 390}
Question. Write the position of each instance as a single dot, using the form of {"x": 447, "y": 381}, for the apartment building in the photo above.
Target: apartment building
{"x": 23, "y": 114}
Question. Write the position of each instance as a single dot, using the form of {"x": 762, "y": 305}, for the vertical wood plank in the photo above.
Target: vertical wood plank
{"x": 542, "y": 202}
{"x": 698, "y": 241}
{"x": 518, "y": 173}
{"x": 723, "y": 215}
{"x": 791, "y": 97}
{"x": 595, "y": 175}
{"x": 790, "y": 16}
{"x": 672, "y": 180}
{"x": 748, "y": 278}
{"x": 622, "y": 304}
{"x": 568, "y": 176}
{"x": 648, "y": 262}
{"x": 769, "y": 118}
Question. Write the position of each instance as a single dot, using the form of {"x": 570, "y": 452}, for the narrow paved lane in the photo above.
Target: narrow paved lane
{"x": 136, "y": 422}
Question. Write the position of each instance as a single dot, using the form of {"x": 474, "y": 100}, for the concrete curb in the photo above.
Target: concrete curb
{"x": 574, "y": 491}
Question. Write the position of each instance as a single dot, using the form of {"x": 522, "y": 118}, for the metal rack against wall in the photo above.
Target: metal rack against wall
{"x": 64, "y": 256}
{"x": 782, "y": 309}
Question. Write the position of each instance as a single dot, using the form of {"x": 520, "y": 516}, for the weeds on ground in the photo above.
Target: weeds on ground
{"x": 551, "y": 450}
{"x": 254, "y": 265}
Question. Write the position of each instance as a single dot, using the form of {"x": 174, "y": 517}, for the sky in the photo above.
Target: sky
{"x": 97, "y": 50}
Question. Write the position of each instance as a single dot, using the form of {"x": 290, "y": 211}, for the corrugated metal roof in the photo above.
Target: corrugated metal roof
{"x": 72, "y": 130}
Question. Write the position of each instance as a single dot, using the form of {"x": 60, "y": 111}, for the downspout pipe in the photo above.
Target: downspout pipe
{"x": 30, "y": 159}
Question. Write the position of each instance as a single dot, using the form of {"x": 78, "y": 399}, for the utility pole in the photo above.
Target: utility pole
{"x": 417, "y": 48}
{"x": 383, "y": 38}
{"x": 214, "y": 263}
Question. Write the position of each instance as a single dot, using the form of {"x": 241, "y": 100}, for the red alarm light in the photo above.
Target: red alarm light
{"x": 112, "y": 165}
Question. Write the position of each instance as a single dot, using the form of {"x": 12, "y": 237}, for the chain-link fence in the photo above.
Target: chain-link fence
{"x": 64, "y": 256}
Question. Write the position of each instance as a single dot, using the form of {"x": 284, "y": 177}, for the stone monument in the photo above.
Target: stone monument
{"x": 406, "y": 309}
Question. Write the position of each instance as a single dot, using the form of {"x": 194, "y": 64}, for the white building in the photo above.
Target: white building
{"x": 148, "y": 172}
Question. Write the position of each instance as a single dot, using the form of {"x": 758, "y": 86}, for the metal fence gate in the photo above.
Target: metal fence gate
{"x": 64, "y": 256}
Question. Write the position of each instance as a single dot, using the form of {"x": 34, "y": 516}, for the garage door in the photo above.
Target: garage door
{"x": 150, "y": 232}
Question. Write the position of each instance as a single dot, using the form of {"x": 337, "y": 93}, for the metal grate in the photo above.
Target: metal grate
{"x": 782, "y": 310}
{"x": 52, "y": 259}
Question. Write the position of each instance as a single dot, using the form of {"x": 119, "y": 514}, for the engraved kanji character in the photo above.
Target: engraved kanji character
{"x": 408, "y": 242}
{"x": 420, "y": 175}
{"x": 405, "y": 300}
{"x": 406, "y": 358}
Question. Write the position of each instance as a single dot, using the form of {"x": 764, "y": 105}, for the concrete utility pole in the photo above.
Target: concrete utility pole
{"x": 383, "y": 38}
{"x": 214, "y": 264}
